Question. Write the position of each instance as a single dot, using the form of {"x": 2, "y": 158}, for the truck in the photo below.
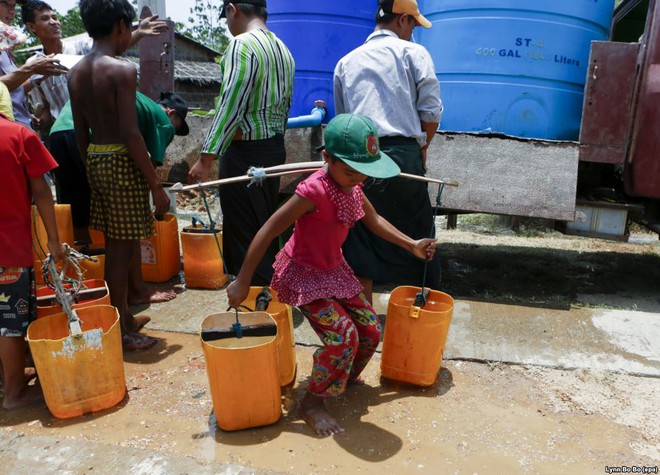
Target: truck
{"x": 594, "y": 187}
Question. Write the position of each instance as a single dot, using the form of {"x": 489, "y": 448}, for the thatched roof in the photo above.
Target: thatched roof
{"x": 196, "y": 72}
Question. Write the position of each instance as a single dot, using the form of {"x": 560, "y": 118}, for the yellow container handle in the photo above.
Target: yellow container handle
{"x": 414, "y": 312}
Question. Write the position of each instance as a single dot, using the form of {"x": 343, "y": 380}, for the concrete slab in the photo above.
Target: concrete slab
{"x": 578, "y": 338}
{"x": 582, "y": 338}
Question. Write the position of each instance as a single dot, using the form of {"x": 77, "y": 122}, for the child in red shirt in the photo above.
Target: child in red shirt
{"x": 23, "y": 162}
{"x": 311, "y": 273}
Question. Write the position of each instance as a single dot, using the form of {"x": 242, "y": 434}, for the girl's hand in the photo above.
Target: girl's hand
{"x": 237, "y": 292}
{"x": 424, "y": 248}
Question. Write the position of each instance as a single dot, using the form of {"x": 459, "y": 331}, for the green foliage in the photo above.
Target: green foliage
{"x": 206, "y": 27}
{"x": 72, "y": 23}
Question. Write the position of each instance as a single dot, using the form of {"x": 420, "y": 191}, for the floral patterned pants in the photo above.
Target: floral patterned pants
{"x": 350, "y": 332}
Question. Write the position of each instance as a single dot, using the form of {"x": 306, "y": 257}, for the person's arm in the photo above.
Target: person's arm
{"x": 279, "y": 222}
{"x": 43, "y": 198}
{"x": 430, "y": 129}
{"x": 126, "y": 85}
{"x": 80, "y": 123}
{"x": 429, "y": 104}
{"x": 422, "y": 248}
{"x": 150, "y": 26}
{"x": 201, "y": 168}
{"x": 45, "y": 66}
{"x": 340, "y": 107}
{"x": 239, "y": 74}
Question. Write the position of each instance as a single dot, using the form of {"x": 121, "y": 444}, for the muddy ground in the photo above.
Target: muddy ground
{"x": 480, "y": 417}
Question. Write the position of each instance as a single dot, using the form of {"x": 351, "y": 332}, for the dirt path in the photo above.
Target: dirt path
{"x": 477, "y": 418}
{"x": 480, "y": 417}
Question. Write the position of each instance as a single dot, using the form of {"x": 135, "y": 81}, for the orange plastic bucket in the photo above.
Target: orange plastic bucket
{"x": 94, "y": 292}
{"x": 415, "y": 337}
{"x": 97, "y": 237}
{"x": 79, "y": 374}
{"x": 40, "y": 238}
{"x": 202, "y": 263}
{"x": 286, "y": 347}
{"x": 242, "y": 372}
{"x": 161, "y": 254}
{"x": 91, "y": 270}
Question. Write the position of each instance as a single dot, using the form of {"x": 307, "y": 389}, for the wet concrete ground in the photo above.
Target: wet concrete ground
{"x": 523, "y": 389}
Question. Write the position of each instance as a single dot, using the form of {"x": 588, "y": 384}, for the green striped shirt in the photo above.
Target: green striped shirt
{"x": 255, "y": 95}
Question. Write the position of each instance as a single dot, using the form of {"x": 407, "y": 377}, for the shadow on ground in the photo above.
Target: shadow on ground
{"x": 547, "y": 277}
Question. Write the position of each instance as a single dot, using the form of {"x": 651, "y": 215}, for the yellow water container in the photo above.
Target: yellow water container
{"x": 97, "y": 237}
{"x": 94, "y": 270}
{"x": 79, "y": 374}
{"x": 40, "y": 238}
{"x": 94, "y": 292}
{"x": 242, "y": 372}
{"x": 161, "y": 254}
{"x": 415, "y": 337}
{"x": 286, "y": 346}
{"x": 202, "y": 263}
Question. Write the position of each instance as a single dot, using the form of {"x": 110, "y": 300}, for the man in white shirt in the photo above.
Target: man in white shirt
{"x": 15, "y": 78}
{"x": 392, "y": 81}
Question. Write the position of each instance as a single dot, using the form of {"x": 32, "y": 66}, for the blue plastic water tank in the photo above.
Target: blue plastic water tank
{"x": 516, "y": 67}
{"x": 319, "y": 33}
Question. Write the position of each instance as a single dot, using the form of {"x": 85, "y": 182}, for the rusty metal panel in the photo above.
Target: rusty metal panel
{"x": 607, "y": 101}
{"x": 157, "y": 63}
{"x": 642, "y": 168}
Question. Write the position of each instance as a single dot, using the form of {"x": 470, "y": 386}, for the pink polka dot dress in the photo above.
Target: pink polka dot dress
{"x": 311, "y": 265}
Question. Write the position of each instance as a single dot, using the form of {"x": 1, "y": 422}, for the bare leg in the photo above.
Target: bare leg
{"x": 368, "y": 285}
{"x": 118, "y": 256}
{"x": 314, "y": 413}
{"x": 17, "y": 393}
{"x": 138, "y": 291}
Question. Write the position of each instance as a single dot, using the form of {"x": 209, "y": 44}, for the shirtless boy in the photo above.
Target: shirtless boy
{"x": 119, "y": 170}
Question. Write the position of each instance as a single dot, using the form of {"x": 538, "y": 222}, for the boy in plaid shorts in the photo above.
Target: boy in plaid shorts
{"x": 23, "y": 162}
{"x": 120, "y": 173}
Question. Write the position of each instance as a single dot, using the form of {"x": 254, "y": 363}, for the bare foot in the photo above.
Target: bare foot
{"x": 138, "y": 323}
{"x": 151, "y": 295}
{"x": 30, "y": 395}
{"x": 314, "y": 413}
{"x": 133, "y": 342}
{"x": 356, "y": 382}
{"x": 29, "y": 375}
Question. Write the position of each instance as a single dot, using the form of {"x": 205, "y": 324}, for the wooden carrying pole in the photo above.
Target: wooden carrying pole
{"x": 289, "y": 169}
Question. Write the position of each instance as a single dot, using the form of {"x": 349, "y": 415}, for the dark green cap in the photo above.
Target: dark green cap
{"x": 353, "y": 139}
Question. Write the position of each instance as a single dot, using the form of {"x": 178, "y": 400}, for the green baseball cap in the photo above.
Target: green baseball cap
{"x": 353, "y": 139}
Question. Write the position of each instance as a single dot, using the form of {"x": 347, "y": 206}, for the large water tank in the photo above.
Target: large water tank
{"x": 516, "y": 67}
{"x": 319, "y": 33}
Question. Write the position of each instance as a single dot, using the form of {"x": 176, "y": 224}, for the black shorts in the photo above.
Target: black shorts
{"x": 18, "y": 301}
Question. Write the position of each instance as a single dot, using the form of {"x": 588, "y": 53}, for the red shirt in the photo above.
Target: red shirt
{"x": 22, "y": 158}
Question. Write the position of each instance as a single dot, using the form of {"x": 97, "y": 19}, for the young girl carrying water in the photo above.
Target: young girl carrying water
{"x": 311, "y": 273}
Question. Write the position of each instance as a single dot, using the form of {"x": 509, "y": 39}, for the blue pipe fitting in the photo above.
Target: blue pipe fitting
{"x": 314, "y": 118}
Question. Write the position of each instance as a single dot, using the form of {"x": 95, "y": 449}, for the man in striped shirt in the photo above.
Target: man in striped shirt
{"x": 248, "y": 129}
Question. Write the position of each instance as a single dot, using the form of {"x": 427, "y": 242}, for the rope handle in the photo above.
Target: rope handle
{"x": 55, "y": 279}
{"x": 215, "y": 235}
{"x": 421, "y": 297}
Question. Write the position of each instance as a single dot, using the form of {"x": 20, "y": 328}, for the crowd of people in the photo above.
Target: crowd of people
{"x": 354, "y": 221}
